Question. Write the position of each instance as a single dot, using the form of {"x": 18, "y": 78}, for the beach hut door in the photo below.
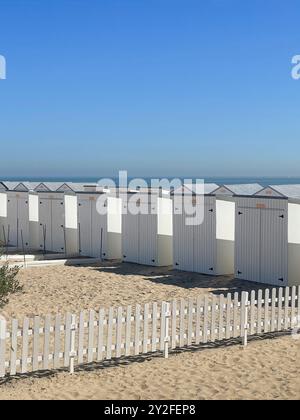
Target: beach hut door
{"x": 274, "y": 247}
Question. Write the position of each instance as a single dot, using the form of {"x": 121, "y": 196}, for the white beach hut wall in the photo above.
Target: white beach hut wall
{"x": 208, "y": 247}
{"x": 268, "y": 236}
{"x": 15, "y": 206}
{"x": 99, "y": 234}
{"x": 148, "y": 238}
{"x": 57, "y": 219}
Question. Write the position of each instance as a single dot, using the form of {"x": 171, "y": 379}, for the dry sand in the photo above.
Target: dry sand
{"x": 266, "y": 369}
{"x": 62, "y": 288}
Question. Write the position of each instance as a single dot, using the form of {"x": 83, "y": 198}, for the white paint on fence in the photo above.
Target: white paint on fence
{"x": 37, "y": 343}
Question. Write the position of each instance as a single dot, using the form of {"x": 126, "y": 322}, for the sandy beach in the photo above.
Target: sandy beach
{"x": 266, "y": 369}
{"x": 65, "y": 288}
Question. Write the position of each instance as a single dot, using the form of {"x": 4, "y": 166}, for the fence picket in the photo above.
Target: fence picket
{"x": 279, "y": 319}
{"x": 154, "y": 327}
{"x": 46, "y": 342}
{"x": 221, "y": 321}
{"x": 228, "y": 316}
{"x": 67, "y": 339}
{"x": 198, "y": 320}
{"x": 128, "y": 331}
{"x": 286, "y": 308}
{"x": 266, "y": 320}
{"x": 57, "y": 341}
{"x": 190, "y": 321}
{"x": 13, "y": 347}
{"x": 273, "y": 309}
{"x": 174, "y": 324}
{"x": 259, "y": 309}
{"x": 36, "y": 338}
{"x": 205, "y": 323}
{"x": 146, "y": 321}
{"x": 252, "y": 312}
{"x": 109, "y": 333}
{"x": 181, "y": 325}
{"x": 213, "y": 319}
{"x": 100, "y": 335}
{"x": 81, "y": 337}
{"x": 3, "y": 327}
{"x": 91, "y": 336}
{"x": 119, "y": 331}
{"x": 162, "y": 326}
{"x": 25, "y": 341}
{"x": 293, "y": 307}
{"x": 298, "y": 304}
{"x": 242, "y": 314}
{"x": 235, "y": 314}
{"x": 137, "y": 330}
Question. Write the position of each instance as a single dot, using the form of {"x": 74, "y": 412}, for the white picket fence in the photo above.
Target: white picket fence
{"x": 47, "y": 343}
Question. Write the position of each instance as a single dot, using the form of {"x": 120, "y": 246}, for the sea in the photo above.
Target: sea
{"x": 264, "y": 181}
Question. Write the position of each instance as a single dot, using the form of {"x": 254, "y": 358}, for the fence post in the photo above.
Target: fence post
{"x": 245, "y": 303}
{"x": 167, "y": 336}
{"x": 2, "y": 346}
{"x": 72, "y": 343}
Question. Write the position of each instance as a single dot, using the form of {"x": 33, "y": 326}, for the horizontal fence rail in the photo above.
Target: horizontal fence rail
{"x": 66, "y": 341}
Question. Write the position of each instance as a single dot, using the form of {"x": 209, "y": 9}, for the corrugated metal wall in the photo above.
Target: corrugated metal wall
{"x": 261, "y": 246}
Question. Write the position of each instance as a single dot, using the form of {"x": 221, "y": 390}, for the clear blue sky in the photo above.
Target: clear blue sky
{"x": 157, "y": 87}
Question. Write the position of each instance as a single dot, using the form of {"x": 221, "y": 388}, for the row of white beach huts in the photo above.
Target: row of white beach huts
{"x": 248, "y": 230}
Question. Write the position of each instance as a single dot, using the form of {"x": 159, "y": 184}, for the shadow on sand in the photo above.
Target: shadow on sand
{"x": 187, "y": 280}
{"x": 126, "y": 361}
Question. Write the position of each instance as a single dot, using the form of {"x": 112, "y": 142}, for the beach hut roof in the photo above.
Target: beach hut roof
{"x": 239, "y": 189}
{"x": 2, "y": 186}
{"x": 197, "y": 188}
{"x": 287, "y": 191}
{"x": 48, "y": 186}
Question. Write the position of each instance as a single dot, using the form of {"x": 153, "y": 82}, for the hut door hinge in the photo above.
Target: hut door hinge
{"x": 282, "y": 216}
{"x": 281, "y": 279}
{"x": 239, "y": 213}
{"x": 239, "y": 272}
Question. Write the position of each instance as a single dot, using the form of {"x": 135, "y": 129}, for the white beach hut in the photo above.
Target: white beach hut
{"x": 99, "y": 232}
{"x": 18, "y": 208}
{"x": 268, "y": 236}
{"x": 147, "y": 235}
{"x": 58, "y": 226}
{"x": 207, "y": 247}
